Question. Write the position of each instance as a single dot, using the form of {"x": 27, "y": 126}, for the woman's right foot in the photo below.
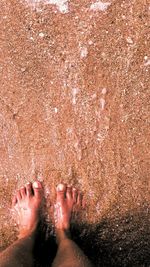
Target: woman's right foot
{"x": 27, "y": 203}
{"x": 67, "y": 199}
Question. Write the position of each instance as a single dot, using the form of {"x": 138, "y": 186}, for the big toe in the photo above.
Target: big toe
{"x": 38, "y": 189}
{"x": 61, "y": 192}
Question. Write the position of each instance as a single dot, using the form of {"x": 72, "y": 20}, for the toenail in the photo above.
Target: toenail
{"x": 60, "y": 187}
{"x": 74, "y": 189}
{"x": 37, "y": 185}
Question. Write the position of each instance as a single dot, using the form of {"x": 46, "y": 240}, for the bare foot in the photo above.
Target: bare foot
{"x": 27, "y": 203}
{"x": 67, "y": 199}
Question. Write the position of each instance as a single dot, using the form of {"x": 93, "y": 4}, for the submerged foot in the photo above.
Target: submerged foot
{"x": 27, "y": 203}
{"x": 67, "y": 199}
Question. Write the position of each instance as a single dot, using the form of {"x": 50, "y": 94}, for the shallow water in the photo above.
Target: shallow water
{"x": 74, "y": 108}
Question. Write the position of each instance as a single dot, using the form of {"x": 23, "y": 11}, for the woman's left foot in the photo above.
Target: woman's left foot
{"x": 67, "y": 199}
{"x": 27, "y": 202}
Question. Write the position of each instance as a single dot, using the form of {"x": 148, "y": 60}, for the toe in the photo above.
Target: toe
{"x": 61, "y": 192}
{"x": 29, "y": 189}
{"x": 74, "y": 194}
{"x": 37, "y": 188}
{"x": 23, "y": 192}
{"x": 69, "y": 192}
{"x": 14, "y": 201}
{"x": 18, "y": 195}
{"x": 79, "y": 199}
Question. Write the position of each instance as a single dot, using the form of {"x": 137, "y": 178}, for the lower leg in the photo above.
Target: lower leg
{"x": 27, "y": 204}
{"x": 68, "y": 254}
{"x": 18, "y": 254}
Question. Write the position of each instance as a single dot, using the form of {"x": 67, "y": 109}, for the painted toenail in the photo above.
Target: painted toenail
{"x": 37, "y": 185}
{"x": 60, "y": 187}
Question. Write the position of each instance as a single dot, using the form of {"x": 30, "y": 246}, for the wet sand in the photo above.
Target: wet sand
{"x": 74, "y": 91}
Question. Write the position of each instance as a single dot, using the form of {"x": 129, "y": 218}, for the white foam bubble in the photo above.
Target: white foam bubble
{"x": 74, "y": 93}
{"x": 129, "y": 40}
{"x": 41, "y": 34}
{"x": 104, "y": 91}
{"x": 62, "y": 5}
{"x": 102, "y": 103}
{"x": 90, "y": 42}
{"x": 100, "y": 6}
{"x": 83, "y": 52}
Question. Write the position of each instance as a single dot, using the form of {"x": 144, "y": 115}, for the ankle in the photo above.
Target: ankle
{"x": 27, "y": 233}
{"x": 62, "y": 234}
